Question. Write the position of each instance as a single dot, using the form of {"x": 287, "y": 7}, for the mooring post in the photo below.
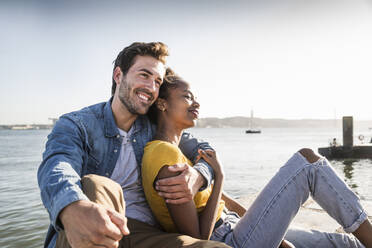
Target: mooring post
{"x": 347, "y": 125}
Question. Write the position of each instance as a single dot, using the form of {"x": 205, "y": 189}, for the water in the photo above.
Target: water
{"x": 250, "y": 160}
{"x": 23, "y": 220}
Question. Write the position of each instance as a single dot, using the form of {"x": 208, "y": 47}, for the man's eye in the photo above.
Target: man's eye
{"x": 144, "y": 75}
{"x": 188, "y": 97}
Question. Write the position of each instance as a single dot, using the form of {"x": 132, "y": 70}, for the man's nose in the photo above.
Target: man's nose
{"x": 151, "y": 85}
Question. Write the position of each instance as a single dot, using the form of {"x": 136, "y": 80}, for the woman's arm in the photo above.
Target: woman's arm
{"x": 207, "y": 218}
{"x": 233, "y": 205}
{"x": 190, "y": 146}
{"x": 192, "y": 179}
{"x": 185, "y": 215}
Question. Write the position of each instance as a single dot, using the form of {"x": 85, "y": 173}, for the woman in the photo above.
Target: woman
{"x": 265, "y": 223}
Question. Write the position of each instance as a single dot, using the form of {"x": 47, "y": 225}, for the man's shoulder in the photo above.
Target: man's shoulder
{"x": 87, "y": 119}
{"x": 93, "y": 111}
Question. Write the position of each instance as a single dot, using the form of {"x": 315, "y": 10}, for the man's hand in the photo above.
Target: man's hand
{"x": 88, "y": 224}
{"x": 181, "y": 188}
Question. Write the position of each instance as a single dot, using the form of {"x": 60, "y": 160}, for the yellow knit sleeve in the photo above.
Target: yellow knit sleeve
{"x": 156, "y": 155}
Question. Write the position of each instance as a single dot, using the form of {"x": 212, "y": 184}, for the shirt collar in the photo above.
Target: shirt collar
{"x": 111, "y": 128}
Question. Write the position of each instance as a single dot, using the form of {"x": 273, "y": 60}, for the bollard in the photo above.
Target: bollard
{"x": 347, "y": 126}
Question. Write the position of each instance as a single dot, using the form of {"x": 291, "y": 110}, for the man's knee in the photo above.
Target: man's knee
{"x": 92, "y": 181}
{"x": 104, "y": 191}
{"x": 309, "y": 154}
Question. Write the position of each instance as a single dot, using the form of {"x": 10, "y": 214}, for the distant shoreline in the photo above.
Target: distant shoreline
{"x": 244, "y": 122}
{"x": 26, "y": 127}
{"x": 239, "y": 122}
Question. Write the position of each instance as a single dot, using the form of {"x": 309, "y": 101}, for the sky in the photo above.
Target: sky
{"x": 291, "y": 59}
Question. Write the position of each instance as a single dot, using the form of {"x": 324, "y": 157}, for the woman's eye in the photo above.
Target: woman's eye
{"x": 188, "y": 97}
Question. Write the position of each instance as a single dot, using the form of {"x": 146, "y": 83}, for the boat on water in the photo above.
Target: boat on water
{"x": 251, "y": 129}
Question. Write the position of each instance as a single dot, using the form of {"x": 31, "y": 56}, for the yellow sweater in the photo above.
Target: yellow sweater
{"x": 157, "y": 154}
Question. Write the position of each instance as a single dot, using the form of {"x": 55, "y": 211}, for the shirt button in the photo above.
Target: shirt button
{"x": 115, "y": 150}
{"x": 134, "y": 140}
{"x": 118, "y": 136}
{"x": 107, "y": 174}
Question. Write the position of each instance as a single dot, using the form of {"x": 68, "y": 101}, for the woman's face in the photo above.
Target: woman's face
{"x": 182, "y": 107}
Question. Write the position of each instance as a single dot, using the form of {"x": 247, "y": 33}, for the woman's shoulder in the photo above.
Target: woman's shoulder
{"x": 157, "y": 154}
{"x": 159, "y": 146}
{"x": 162, "y": 152}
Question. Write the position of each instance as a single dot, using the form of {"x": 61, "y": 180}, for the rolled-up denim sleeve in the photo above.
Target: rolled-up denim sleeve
{"x": 59, "y": 174}
{"x": 190, "y": 145}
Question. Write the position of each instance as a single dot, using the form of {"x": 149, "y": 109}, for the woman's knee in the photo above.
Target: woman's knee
{"x": 309, "y": 154}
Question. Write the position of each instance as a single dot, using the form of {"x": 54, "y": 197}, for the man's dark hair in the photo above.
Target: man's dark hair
{"x": 125, "y": 58}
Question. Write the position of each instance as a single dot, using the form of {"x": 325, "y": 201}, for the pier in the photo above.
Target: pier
{"x": 347, "y": 150}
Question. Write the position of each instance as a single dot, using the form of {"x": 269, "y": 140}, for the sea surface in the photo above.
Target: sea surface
{"x": 249, "y": 160}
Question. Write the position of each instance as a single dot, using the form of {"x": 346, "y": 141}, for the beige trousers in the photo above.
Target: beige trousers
{"x": 108, "y": 193}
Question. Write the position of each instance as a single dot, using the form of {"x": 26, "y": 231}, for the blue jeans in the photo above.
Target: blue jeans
{"x": 265, "y": 223}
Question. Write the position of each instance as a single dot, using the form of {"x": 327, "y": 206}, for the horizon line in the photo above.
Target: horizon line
{"x": 238, "y": 116}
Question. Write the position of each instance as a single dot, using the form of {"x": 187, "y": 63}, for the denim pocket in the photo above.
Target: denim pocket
{"x": 220, "y": 232}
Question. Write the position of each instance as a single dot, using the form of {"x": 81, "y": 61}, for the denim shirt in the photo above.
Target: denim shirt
{"x": 88, "y": 142}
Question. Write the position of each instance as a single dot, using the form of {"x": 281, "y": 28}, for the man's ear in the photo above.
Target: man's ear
{"x": 161, "y": 104}
{"x": 117, "y": 75}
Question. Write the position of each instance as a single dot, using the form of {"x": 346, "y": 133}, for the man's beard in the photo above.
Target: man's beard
{"x": 124, "y": 96}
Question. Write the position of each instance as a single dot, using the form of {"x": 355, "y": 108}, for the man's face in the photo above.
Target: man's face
{"x": 139, "y": 88}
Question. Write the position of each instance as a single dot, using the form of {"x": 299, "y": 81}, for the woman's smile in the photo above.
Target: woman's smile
{"x": 195, "y": 113}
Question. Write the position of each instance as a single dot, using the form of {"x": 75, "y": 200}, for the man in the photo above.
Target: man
{"x": 107, "y": 139}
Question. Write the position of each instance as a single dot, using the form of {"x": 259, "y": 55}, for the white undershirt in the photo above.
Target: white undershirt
{"x": 127, "y": 174}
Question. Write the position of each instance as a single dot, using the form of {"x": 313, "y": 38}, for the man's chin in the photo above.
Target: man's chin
{"x": 138, "y": 110}
{"x": 141, "y": 108}
{"x": 142, "y": 111}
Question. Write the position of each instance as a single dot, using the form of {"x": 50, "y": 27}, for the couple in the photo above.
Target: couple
{"x": 93, "y": 160}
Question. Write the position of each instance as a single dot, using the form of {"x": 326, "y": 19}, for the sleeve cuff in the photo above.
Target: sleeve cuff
{"x": 63, "y": 199}
{"x": 206, "y": 171}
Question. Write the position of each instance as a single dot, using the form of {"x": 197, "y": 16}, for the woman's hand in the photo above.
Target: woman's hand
{"x": 210, "y": 157}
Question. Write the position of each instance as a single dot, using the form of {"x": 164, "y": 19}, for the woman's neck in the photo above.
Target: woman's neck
{"x": 168, "y": 132}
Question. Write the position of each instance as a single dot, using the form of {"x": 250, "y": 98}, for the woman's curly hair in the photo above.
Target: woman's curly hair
{"x": 171, "y": 81}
